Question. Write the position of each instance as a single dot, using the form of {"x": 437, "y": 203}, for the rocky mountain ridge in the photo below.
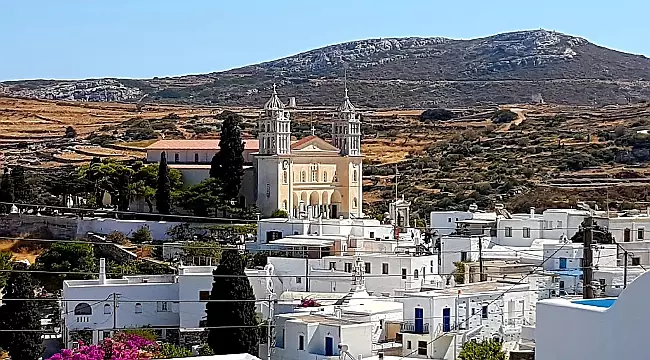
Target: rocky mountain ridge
{"x": 407, "y": 72}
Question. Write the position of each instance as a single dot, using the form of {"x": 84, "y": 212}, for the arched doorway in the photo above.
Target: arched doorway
{"x": 325, "y": 207}
{"x": 336, "y": 201}
{"x": 314, "y": 203}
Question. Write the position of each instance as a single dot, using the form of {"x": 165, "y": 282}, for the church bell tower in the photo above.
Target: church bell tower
{"x": 346, "y": 128}
{"x": 275, "y": 127}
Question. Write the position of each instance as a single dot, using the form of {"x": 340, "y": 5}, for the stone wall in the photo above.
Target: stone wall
{"x": 38, "y": 226}
{"x": 114, "y": 252}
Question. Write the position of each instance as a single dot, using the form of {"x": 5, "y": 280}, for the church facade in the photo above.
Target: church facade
{"x": 309, "y": 177}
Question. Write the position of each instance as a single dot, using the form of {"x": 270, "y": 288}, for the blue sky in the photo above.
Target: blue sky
{"x": 74, "y": 39}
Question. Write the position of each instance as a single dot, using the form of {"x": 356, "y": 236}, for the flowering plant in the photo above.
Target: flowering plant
{"x": 120, "y": 347}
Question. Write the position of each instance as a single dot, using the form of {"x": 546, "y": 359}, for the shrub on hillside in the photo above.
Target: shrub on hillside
{"x": 503, "y": 116}
{"x": 437, "y": 114}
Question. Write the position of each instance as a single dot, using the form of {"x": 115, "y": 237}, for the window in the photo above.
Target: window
{"x": 372, "y": 234}
{"x": 177, "y": 157}
{"x": 303, "y": 177}
{"x": 403, "y": 274}
{"x": 285, "y": 177}
{"x": 314, "y": 176}
{"x": 138, "y": 308}
{"x": 273, "y": 235}
{"x": 561, "y": 284}
{"x": 526, "y": 232}
{"x": 559, "y": 224}
{"x": 204, "y": 295}
{"x": 508, "y": 231}
{"x": 639, "y": 233}
{"x": 325, "y": 176}
{"x": 463, "y": 256}
{"x": 448, "y": 220}
{"x": 367, "y": 269}
{"x": 415, "y": 274}
{"x": 550, "y": 225}
{"x": 636, "y": 261}
{"x": 384, "y": 268}
{"x": 335, "y": 178}
{"x": 162, "y": 306}
{"x": 106, "y": 334}
{"x": 408, "y": 344}
{"x": 348, "y": 267}
{"x": 484, "y": 312}
{"x": 107, "y": 309}
{"x": 284, "y": 205}
{"x": 332, "y": 265}
{"x": 83, "y": 309}
{"x": 298, "y": 280}
{"x": 626, "y": 235}
{"x": 354, "y": 203}
{"x": 354, "y": 175}
{"x": 301, "y": 342}
{"x": 422, "y": 348}
{"x": 473, "y": 311}
{"x": 196, "y": 158}
{"x": 268, "y": 190}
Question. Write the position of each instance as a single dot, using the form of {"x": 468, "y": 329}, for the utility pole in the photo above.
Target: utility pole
{"x": 114, "y": 312}
{"x": 624, "y": 268}
{"x": 480, "y": 260}
{"x": 587, "y": 260}
{"x": 269, "y": 336}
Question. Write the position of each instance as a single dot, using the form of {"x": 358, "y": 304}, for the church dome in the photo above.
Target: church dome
{"x": 274, "y": 102}
{"x": 346, "y": 106}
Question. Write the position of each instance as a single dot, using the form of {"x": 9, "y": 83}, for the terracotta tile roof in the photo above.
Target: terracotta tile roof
{"x": 203, "y": 144}
{"x": 303, "y": 141}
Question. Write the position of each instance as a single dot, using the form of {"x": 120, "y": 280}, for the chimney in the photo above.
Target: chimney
{"x": 532, "y": 212}
{"x": 102, "y": 271}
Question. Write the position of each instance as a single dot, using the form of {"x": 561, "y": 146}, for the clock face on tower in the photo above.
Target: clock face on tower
{"x": 285, "y": 164}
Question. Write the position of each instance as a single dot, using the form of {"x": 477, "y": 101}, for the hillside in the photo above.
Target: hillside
{"x": 397, "y": 72}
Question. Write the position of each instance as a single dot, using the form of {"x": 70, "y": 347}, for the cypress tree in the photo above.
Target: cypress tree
{"x": 22, "y": 191}
{"x": 20, "y": 315}
{"x": 231, "y": 156}
{"x": 163, "y": 190}
{"x": 215, "y": 166}
{"x": 6, "y": 191}
{"x": 240, "y": 334}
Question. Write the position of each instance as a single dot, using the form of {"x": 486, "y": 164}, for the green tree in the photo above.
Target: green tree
{"x": 109, "y": 176}
{"x": 231, "y": 156}
{"x": 181, "y": 232}
{"x": 65, "y": 257}
{"x": 234, "y": 323}
{"x": 503, "y": 116}
{"x": 201, "y": 249}
{"x": 279, "y": 213}
{"x": 204, "y": 198}
{"x": 163, "y": 189}
{"x": 70, "y": 132}
{"x": 142, "y": 235}
{"x": 145, "y": 182}
{"x": 6, "y": 191}
{"x": 5, "y": 264}
{"x": 171, "y": 351}
{"x": 22, "y": 190}
{"x": 214, "y": 166}
{"x": 20, "y": 315}
{"x": 485, "y": 350}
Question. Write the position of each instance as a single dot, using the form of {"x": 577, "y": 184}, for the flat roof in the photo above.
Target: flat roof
{"x": 287, "y": 241}
{"x": 345, "y": 319}
{"x": 474, "y": 288}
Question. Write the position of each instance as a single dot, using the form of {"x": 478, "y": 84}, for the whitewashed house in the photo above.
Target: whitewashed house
{"x": 157, "y": 301}
{"x": 569, "y": 256}
{"x": 437, "y": 323}
{"x": 610, "y": 328}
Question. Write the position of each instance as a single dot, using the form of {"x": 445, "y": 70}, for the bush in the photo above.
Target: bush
{"x": 70, "y": 132}
{"x": 279, "y": 213}
{"x": 142, "y": 235}
{"x": 118, "y": 238}
{"x": 437, "y": 114}
{"x": 503, "y": 116}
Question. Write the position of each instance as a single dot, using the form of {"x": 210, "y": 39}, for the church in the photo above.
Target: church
{"x": 309, "y": 177}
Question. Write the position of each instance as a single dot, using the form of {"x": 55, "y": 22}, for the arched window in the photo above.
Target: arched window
{"x": 107, "y": 309}
{"x": 177, "y": 157}
{"x": 354, "y": 175}
{"x": 303, "y": 177}
{"x": 285, "y": 177}
{"x": 196, "y": 158}
{"x": 284, "y": 205}
{"x": 354, "y": 203}
{"x": 415, "y": 274}
{"x": 138, "y": 308}
{"x": 324, "y": 176}
{"x": 83, "y": 309}
{"x": 335, "y": 178}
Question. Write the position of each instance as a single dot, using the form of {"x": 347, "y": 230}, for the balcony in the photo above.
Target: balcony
{"x": 409, "y": 327}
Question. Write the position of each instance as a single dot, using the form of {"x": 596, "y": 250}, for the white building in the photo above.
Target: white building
{"x": 569, "y": 256}
{"x": 437, "y": 323}
{"x": 595, "y": 329}
{"x": 354, "y": 324}
{"x": 157, "y": 301}
{"x": 522, "y": 229}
